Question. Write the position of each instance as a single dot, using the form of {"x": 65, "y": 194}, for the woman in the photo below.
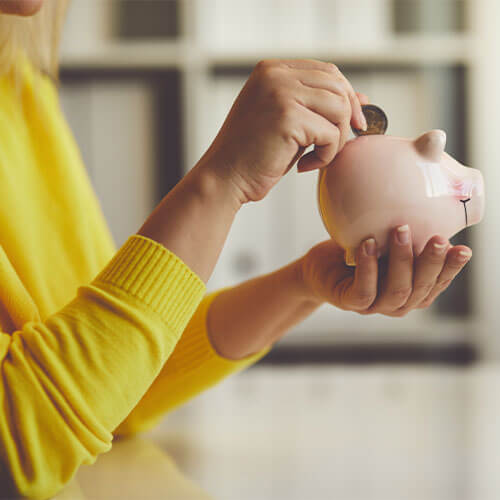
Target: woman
{"x": 96, "y": 341}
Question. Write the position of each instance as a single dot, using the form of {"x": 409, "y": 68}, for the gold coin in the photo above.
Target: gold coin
{"x": 376, "y": 120}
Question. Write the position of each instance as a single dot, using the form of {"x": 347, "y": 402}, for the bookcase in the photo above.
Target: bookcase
{"x": 145, "y": 99}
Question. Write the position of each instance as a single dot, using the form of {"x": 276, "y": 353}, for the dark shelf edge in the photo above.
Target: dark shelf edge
{"x": 452, "y": 354}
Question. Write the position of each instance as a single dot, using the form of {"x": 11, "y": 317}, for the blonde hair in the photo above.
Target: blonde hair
{"x": 38, "y": 36}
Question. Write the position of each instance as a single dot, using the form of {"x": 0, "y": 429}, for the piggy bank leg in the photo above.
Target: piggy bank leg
{"x": 350, "y": 256}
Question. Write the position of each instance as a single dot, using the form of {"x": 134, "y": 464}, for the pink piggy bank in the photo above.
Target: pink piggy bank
{"x": 378, "y": 182}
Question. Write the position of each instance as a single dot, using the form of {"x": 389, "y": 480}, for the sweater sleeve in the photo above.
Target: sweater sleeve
{"x": 193, "y": 367}
{"x": 67, "y": 382}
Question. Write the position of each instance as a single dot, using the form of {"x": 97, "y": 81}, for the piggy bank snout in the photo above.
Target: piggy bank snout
{"x": 477, "y": 198}
{"x": 477, "y": 184}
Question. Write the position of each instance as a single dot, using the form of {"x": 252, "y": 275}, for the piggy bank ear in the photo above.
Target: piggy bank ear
{"x": 431, "y": 144}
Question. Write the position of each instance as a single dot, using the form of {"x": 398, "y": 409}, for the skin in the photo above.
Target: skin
{"x": 271, "y": 122}
{"x": 284, "y": 107}
{"x": 257, "y": 313}
{"x": 20, "y": 7}
{"x": 275, "y": 117}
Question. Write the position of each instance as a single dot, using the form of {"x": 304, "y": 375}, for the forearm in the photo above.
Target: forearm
{"x": 193, "y": 219}
{"x": 249, "y": 317}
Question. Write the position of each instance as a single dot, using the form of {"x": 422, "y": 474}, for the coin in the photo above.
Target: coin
{"x": 376, "y": 120}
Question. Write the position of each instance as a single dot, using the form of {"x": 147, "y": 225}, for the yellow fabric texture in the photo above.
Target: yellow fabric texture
{"x": 86, "y": 329}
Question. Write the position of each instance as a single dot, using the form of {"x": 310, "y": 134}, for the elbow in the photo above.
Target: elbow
{"x": 41, "y": 474}
{"x": 39, "y": 462}
{"x": 32, "y": 488}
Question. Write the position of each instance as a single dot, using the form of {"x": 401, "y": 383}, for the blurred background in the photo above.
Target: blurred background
{"x": 346, "y": 406}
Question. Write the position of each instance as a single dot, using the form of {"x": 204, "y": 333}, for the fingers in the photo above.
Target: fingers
{"x": 318, "y": 79}
{"x": 299, "y": 153}
{"x": 320, "y": 157}
{"x": 456, "y": 259}
{"x": 321, "y": 88}
{"x": 334, "y": 107}
{"x": 323, "y": 134}
{"x": 428, "y": 266}
{"x": 339, "y": 85}
{"x": 408, "y": 283}
{"x": 360, "y": 295}
{"x": 358, "y": 117}
{"x": 400, "y": 284}
{"x": 306, "y": 64}
{"x": 397, "y": 286}
{"x": 334, "y": 78}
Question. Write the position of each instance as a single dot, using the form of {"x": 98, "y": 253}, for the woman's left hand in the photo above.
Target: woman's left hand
{"x": 392, "y": 286}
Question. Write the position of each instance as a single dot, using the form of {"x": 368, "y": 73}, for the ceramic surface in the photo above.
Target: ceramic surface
{"x": 378, "y": 182}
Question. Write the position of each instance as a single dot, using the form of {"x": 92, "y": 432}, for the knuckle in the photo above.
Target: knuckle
{"x": 399, "y": 313}
{"x": 363, "y": 300}
{"x": 423, "y": 288}
{"x": 425, "y": 304}
{"x": 400, "y": 294}
{"x": 406, "y": 259}
{"x": 434, "y": 260}
{"x": 365, "y": 312}
{"x": 443, "y": 284}
{"x": 346, "y": 107}
{"x": 285, "y": 110}
{"x": 455, "y": 265}
{"x": 334, "y": 138}
{"x": 269, "y": 74}
{"x": 335, "y": 133}
{"x": 281, "y": 96}
{"x": 264, "y": 64}
{"x": 331, "y": 68}
{"x": 289, "y": 127}
{"x": 346, "y": 104}
{"x": 324, "y": 94}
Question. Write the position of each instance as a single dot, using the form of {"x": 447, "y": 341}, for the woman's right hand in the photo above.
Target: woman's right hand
{"x": 284, "y": 107}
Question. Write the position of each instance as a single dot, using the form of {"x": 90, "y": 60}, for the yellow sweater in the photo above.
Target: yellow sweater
{"x": 86, "y": 329}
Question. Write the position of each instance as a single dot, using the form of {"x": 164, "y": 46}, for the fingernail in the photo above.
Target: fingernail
{"x": 439, "y": 248}
{"x": 464, "y": 255}
{"x": 403, "y": 234}
{"x": 370, "y": 247}
{"x": 362, "y": 119}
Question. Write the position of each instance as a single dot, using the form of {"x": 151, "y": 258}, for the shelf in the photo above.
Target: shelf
{"x": 419, "y": 50}
{"x": 398, "y": 51}
{"x": 144, "y": 55}
{"x": 429, "y": 329}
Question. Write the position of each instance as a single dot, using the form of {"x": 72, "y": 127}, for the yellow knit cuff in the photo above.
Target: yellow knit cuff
{"x": 194, "y": 349}
{"x": 146, "y": 270}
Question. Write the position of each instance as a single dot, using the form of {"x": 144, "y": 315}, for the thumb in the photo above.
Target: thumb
{"x": 299, "y": 153}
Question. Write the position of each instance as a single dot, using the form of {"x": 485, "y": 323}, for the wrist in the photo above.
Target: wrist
{"x": 197, "y": 213}
{"x": 215, "y": 179}
{"x": 303, "y": 284}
